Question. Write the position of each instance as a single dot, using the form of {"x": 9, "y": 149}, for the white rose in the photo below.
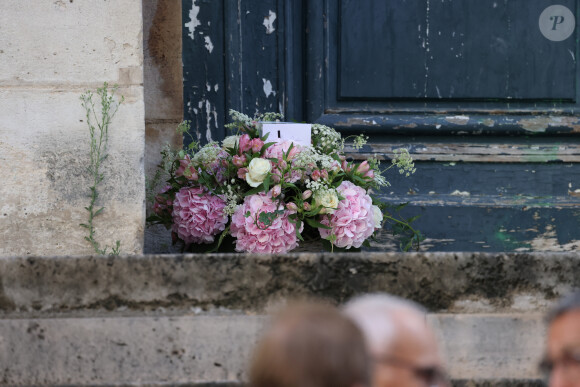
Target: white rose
{"x": 230, "y": 142}
{"x": 257, "y": 171}
{"x": 328, "y": 199}
{"x": 377, "y": 216}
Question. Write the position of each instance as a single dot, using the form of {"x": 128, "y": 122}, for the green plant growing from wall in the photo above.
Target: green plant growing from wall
{"x": 99, "y": 137}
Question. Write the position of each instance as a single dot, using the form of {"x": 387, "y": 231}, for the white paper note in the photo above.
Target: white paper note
{"x": 282, "y": 131}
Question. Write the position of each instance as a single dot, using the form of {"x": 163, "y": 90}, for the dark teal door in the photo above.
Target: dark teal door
{"x": 483, "y": 93}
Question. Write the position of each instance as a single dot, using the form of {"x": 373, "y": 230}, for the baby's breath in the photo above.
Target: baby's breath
{"x": 404, "y": 162}
{"x": 315, "y": 186}
{"x": 238, "y": 119}
{"x": 169, "y": 156}
{"x": 310, "y": 157}
{"x": 326, "y": 139}
{"x": 207, "y": 154}
{"x": 359, "y": 141}
{"x": 270, "y": 117}
{"x": 231, "y": 197}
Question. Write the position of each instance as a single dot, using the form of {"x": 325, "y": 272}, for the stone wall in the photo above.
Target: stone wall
{"x": 50, "y": 53}
{"x": 163, "y": 94}
{"x": 187, "y": 319}
{"x": 163, "y": 78}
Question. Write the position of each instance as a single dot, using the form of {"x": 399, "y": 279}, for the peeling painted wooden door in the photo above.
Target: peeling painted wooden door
{"x": 483, "y": 93}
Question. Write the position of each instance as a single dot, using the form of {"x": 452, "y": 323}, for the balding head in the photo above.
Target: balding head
{"x": 311, "y": 345}
{"x": 397, "y": 336}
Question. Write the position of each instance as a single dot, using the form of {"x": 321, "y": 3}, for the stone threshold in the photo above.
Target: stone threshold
{"x": 443, "y": 282}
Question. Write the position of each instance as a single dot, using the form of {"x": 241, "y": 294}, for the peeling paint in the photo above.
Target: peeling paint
{"x": 536, "y": 124}
{"x": 208, "y": 44}
{"x": 457, "y": 120}
{"x": 268, "y": 88}
{"x": 193, "y": 20}
{"x": 548, "y": 241}
{"x": 269, "y": 22}
{"x": 575, "y": 193}
{"x": 542, "y": 123}
{"x": 460, "y": 193}
{"x": 208, "y": 113}
{"x": 488, "y": 122}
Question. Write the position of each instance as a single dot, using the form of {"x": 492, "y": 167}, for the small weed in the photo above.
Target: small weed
{"x": 99, "y": 137}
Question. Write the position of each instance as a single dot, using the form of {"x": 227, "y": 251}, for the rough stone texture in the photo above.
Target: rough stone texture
{"x": 163, "y": 81}
{"x": 44, "y": 141}
{"x": 136, "y": 350}
{"x": 491, "y": 346}
{"x": 184, "y": 350}
{"x": 443, "y": 282}
{"x": 139, "y": 320}
{"x": 163, "y": 66}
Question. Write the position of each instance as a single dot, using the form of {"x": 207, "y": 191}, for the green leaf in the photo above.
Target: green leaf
{"x": 337, "y": 183}
{"x": 266, "y": 146}
{"x": 288, "y": 151}
{"x": 412, "y": 219}
{"x": 297, "y": 228}
{"x": 359, "y": 180}
{"x": 254, "y": 191}
{"x": 327, "y": 245}
{"x": 99, "y": 211}
{"x": 220, "y": 240}
{"x": 84, "y": 225}
{"x": 401, "y": 206}
{"x": 311, "y": 222}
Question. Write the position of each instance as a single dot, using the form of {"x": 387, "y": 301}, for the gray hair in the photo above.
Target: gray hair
{"x": 384, "y": 301}
{"x": 566, "y": 304}
{"x": 375, "y": 314}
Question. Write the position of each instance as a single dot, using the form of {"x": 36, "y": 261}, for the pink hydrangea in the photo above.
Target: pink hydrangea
{"x": 198, "y": 215}
{"x": 353, "y": 220}
{"x": 280, "y": 237}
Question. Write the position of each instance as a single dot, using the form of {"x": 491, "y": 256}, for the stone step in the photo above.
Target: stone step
{"x": 443, "y": 282}
{"x": 190, "y": 319}
{"x": 206, "y": 348}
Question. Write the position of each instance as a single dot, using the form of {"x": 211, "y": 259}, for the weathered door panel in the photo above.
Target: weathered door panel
{"x": 451, "y": 50}
{"x": 485, "y": 102}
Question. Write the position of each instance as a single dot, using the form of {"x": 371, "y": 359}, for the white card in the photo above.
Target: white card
{"x": 282, "y": 131}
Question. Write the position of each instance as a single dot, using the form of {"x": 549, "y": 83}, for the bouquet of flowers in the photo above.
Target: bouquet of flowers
{"x": 268, "y": 196}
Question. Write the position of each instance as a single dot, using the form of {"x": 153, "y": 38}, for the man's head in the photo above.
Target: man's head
{"x": 402, "y": 346}
{"x": 311, "y": 345}
{"x": 562, "y": 360}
